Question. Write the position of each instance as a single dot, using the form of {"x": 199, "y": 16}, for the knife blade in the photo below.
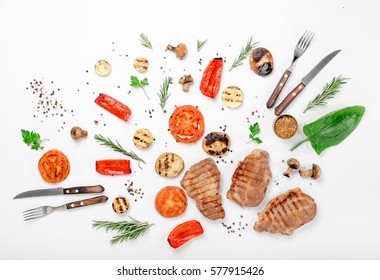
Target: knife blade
{"x": 304, "y": 82}
{"x": 60, "y": 191}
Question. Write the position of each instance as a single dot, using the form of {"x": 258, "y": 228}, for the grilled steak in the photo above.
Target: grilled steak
{"x": 251, "y": 179}
{"x": 286, "y": 212}
{"x": 202, "y": 182}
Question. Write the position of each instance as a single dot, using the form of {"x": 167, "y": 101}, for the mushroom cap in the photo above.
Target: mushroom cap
{"x": 185, "y": 79}
{"x": 315, "y": 172}
{"x": 181, "y": 50}
{"x": 293, "y": 163}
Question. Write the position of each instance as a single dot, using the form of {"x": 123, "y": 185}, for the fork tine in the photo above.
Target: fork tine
{"x": 308, "y": 42}
{"x": 32, "y": 218}
{"x": 304, "y": 40}
{"x": 303, "y": 36}
{"x": 39, "y": 212}
{"x": 33, "y": 209}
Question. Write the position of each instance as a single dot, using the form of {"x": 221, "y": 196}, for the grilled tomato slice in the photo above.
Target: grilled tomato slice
{"x": 170, "y": 202}
{"x": 54, "y": 166}
{"x": 186, "y": 124}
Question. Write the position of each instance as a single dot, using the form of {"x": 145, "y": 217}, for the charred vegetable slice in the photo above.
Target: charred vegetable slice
{"x": 113, "y": 106}
{"x": 113, "y": 166}
{"x": 211, "y": 78}
{"x": 261, "y": 61}
{"x": 184, "y": 232}
{"x": 169, "y": 165}
{"x": 216, "y": 143}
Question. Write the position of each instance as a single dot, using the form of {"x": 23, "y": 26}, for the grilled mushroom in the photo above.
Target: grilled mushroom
{"x": 314, "y": 172}
{"x": 293, "y": 164}
{"x": 180, "y": 50}
{"x": 185, "y": 81}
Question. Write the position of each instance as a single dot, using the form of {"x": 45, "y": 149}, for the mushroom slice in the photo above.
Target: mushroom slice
{"x": 216, "y": 143}
{"x": 169, "y": 165}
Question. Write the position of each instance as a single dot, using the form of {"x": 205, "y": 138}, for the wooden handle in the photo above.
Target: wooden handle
{"x": 288, "y": 99}
{"x": 277, "y": 90}
{"x": 84, "y": 189}
{"x": 86, "y": 202}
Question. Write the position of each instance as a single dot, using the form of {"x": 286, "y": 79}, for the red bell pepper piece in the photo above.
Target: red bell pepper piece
{"x": 113, "y": 106}
{"x": 184, "y": 232}
{"x": 113, "y": 166}
{"x": 211, "y": 78}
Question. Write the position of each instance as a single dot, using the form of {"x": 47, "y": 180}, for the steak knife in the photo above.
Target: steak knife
{"x": 59, "y": 191}
{"x": 304, "y": 82}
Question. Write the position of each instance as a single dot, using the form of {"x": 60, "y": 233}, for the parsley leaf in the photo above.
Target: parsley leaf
{"x": 135, "y": 82}
{"x": 255, "y": 129}
{"x": 32, "y": 139}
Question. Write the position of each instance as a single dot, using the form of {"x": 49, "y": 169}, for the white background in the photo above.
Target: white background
{"x": 59, "y": 41}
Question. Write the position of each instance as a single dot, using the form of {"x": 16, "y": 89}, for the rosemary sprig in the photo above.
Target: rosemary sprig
{"x": 129, "y": 230}
{"x": 328, "y": 92}
{"x": 244, "y": 53}
{"x": 164, "y": 94}
{"x": 105, "y": 141}
{"x": 145, "y": 41}
{"x": 200, "y": 44}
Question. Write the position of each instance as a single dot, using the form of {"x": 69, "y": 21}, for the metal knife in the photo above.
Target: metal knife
{"x": 304, "y": 82}
{"x": 59, "y": 191}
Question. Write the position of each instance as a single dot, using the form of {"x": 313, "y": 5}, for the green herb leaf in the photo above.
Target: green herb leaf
{"x": 105, "y": 141}
{"x": 128, "y": 230}
{"x": 328, "y": 92}
{"x": 200, "y": 44}
{"x": 254, "y": 129}
{"x": 145, "y": 41}
{"x": 332, "y": 128}
{"x": 135, "y": 82}
{"x": 244, "y": 53}
{"x": 32, "y": 139}
{"x": 164, "y": 91}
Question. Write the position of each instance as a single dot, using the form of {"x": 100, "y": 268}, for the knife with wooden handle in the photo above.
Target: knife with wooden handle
{"x": 304, "y": 82}
{"x": 59, "y": 191}
{"x": 277, "y": 90}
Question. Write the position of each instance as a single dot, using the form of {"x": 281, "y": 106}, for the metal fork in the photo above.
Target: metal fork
{"x": 300, "y": 48}
{"x": 43, "y": 211}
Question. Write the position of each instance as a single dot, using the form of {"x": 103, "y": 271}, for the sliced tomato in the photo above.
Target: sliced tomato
{"x": 113, "y": 106}
{"x": 186, "y": 124}
{"x": 54, "y": 166}
{"x": 170, "y": 202}
{"x": 184, "y": 232}
{"x": 113, "y": 166}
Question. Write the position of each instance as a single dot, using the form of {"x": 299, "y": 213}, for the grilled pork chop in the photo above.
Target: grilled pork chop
{"x": 202, "y": 182}
{"x": 251, "y": 179}
{"x": 286, "y": 212}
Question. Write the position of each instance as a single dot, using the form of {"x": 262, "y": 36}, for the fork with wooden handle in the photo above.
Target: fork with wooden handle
{"x": 301, "y": 47}
{"x": 43, "y": 211}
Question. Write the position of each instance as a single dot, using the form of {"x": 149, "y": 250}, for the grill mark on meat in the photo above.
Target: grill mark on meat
{"x": 286, "y": 212}
{"x": 250, "y": 179}
{"x": 202, "y": 183}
